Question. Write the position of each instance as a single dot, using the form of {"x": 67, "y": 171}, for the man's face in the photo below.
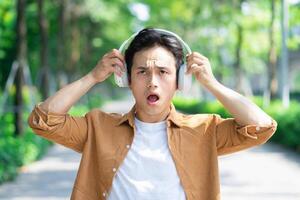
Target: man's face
{"x": 153, "y": 82}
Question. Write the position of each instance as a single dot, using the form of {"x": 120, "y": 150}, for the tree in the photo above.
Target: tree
{"x": 284, "y": 68}
{"x": 43, "y": 27}
{"x": 7, "y": 38}
{"x": 22, "y": 61}
{"x": 271, "y": 87}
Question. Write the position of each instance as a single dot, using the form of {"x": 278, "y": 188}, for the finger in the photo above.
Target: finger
{"x": 199, "y": 55}
{"x": 190, "y": 68}
{"x": 117, "y": 54}
{"x": 117, "y": 62}
{"x": 196, "y": 60}
{"x": 196, "y": 55}
{"x": 188, "y": 55}
{"x": 117, "y": 70}
{"x": 195, "y": 68}
{"x": 113, "y": 62}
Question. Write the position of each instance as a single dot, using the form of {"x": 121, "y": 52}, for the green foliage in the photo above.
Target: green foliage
{"x": 288, "y": 119}
{"x": 288, "y": 124}
{"x": 16, "y": 151}
{"x": 7, "y": 37}
{"x": 294, "y": 40}
{"x": 209, "y": 27}
{"x": 193, "y": 106}
{"x": 78, "y": 110}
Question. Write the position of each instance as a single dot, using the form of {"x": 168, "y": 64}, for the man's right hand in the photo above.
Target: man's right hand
{"x": 111, "y": 62}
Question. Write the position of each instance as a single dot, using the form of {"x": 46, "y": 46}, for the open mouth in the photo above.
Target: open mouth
{"x": 152, "y": 98}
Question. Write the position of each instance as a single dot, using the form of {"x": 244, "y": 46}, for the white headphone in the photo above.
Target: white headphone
{"x": 184, "y": 80}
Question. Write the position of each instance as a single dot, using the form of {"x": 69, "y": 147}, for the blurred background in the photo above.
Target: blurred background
{"x": 253, "y": 46}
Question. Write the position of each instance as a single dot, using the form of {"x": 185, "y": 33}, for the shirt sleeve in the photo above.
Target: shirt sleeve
{"x": 230, "y": 137}
{"x": 63, "y": 129}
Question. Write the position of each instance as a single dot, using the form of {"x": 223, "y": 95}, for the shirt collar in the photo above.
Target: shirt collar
{"x": 174, "y": 117}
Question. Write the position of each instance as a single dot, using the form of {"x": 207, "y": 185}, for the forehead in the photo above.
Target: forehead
{"x": 157, "y": 53}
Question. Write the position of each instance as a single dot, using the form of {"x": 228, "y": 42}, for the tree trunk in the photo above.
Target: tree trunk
{"x": 61, "y": 44}
{"x": 237, "y": 64}
{"x": 272, "y": 83}
{"x": 21, "y": 59}
{"x": 43, "y": 25}
{"x": 284, "y": 67}
{"x": 240, "y": 79}
{"x": 87, "y": 49}
{"x": 72, "y": 67}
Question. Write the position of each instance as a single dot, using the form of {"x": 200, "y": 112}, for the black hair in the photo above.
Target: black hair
{"x": 148, "y": 38}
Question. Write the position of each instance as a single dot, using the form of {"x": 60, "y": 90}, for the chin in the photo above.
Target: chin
{"x": 158, "y": 108}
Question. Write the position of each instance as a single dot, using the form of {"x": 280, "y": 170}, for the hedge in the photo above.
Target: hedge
{"x": 16, "y": 151}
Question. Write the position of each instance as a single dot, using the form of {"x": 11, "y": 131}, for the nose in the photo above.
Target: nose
{"x": 152, "y": 80}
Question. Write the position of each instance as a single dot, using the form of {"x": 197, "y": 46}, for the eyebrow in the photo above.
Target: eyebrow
{"x": 145, "y": 68}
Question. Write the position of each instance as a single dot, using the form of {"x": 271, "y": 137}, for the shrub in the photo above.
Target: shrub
{"x": 16, "y": 151}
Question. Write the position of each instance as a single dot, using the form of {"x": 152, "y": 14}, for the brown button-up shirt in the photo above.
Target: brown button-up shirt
{"x": 195, "y": 141}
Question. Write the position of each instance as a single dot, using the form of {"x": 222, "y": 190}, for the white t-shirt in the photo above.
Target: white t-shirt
{"x": 148, "y": 172}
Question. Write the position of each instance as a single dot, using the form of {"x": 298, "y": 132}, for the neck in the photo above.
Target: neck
{"x": 152, "y": 118}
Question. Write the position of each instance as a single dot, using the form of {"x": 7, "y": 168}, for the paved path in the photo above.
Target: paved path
{"x": 268, "y": 172}
{"x": 48, "y": 179}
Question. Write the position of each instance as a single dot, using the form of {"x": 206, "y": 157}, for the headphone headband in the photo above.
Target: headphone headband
{"x": 126, "y": 43}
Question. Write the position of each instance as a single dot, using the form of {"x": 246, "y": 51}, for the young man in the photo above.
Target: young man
{"x": 152, "y": 152}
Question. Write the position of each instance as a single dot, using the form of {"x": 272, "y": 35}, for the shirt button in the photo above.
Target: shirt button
{"x": 127, "y": 146}
{"x": 257, "y": 128}
{"x": 114, "y": 169}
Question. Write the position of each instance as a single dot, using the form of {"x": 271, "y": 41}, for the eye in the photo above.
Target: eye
{"x": 142, "y": 72}
{"x": 163, "y": 72}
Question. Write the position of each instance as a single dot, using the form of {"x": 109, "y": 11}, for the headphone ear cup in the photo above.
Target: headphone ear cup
{"x": 181, "y": 76}
{"x": 184, "y": 80}
{"x": 122, "y": 81}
